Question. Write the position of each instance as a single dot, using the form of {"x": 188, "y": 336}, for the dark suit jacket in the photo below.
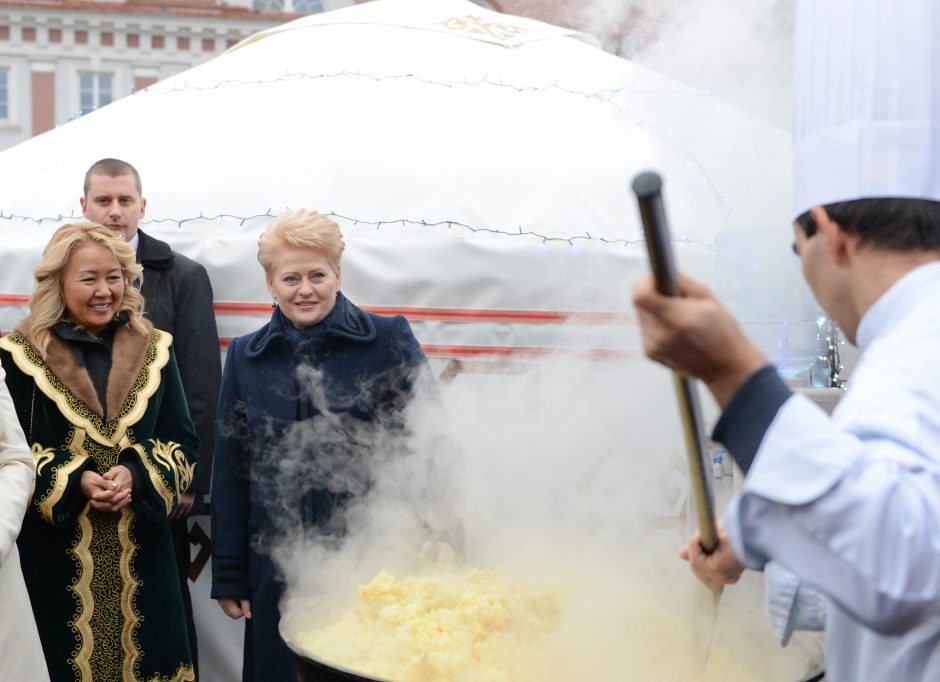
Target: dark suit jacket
{"x": 178, "y": 299}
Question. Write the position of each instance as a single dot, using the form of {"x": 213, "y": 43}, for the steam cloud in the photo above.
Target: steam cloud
{"x": 570, "y": 477}
{"x": 739, "y": 50}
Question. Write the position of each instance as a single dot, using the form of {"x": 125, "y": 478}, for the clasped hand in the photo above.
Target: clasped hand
{"x": 110, "y": 492}
{"x": 717, "y": 569}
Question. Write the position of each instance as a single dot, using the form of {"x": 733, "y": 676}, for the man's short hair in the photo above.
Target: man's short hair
{"x": 113, "y": 168}
{"x": 889, "y": 224}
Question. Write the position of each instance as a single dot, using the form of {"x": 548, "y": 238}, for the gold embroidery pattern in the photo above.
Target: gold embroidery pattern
{"x": 156, "y": 479}
{"x": 27, "y": 358}
{"x": 172, "y": 457}
{"x": 41, "y": 457}
{"x": 81, "y": 588}
{"x": 61, "y": 474}
{"x": 128, "y": 596}
{"x": 476, "y": 26}
{"x": 147, "y": 382}
{"x": 183, "y": 674}
{"x": 106, "y": 593}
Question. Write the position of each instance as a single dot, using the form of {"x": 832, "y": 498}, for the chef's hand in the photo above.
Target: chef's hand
{"x": 721, "y": 567}
{"x": 696, "y": 336}
{"x": 183, "y": 506}
{"x": 110, "y": 492}
{"x": 440, "y": 554}
{"x": 235, "y": 608}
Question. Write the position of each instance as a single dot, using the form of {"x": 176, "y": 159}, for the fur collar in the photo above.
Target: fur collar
{"x": 127, "y": 358}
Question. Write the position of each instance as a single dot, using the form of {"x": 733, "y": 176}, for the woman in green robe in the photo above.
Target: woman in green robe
{"x": 99, "y": 398}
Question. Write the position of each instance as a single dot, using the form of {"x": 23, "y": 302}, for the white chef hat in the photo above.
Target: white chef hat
{"x": 866, "y": 115}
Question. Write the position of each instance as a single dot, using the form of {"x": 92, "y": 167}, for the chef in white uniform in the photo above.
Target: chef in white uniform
{"x": 851, "y": 504}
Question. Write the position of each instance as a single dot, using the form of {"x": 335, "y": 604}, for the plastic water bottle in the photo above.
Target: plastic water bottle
{"x": 718, "y": 469}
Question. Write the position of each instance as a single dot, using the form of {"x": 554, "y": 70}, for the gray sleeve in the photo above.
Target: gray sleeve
{"x": 749, "y": 413}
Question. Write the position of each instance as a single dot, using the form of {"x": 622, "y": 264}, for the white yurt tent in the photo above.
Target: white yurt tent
{"x": 458, "y": 148}
{"x": 479, "y": 165}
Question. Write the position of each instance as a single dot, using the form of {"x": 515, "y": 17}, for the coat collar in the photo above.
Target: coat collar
{"x": 153, "y": 253}
{"x": 127, "y": 357}
{"x": 346, "y": 321}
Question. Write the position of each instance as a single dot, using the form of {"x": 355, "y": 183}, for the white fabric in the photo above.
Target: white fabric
{"x": 866, "y": 101}
{"x": 480, "y": 161}
{"x": 852, "y": 504}
{"x": 452, "y": 17}
{"x": 791, "y": 603}
{"x": 19, "y": 640}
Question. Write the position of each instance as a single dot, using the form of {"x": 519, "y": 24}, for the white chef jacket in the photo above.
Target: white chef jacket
{"x": 852, "y": 504}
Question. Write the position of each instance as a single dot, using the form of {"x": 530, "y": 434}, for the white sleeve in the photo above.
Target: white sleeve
{"x": 17, "y": 472}
{"x": 791, "y": 603}
{"x": 857, "y": 519}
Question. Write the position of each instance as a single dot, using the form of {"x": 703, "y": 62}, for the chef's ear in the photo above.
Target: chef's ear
{"x": 838, "y": 243}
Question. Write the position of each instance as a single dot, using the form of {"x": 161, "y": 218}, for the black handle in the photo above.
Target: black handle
{"x": 648, "y": 188}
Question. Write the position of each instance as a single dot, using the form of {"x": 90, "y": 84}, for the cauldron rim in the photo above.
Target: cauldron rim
{"x": 302, "y": 657}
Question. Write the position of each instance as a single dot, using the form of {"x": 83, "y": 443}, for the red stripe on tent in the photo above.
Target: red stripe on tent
{"x": 418, "y": 314}
{"x": 453, "y": 314}
{"x": 530, "y": 352}
{"x": 525, "y": 352}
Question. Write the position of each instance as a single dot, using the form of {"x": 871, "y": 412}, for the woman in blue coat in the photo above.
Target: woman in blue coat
{"x": 301, "y": 400}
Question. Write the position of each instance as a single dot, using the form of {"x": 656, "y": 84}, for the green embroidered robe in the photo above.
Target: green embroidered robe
{"x": 103, "y": 585}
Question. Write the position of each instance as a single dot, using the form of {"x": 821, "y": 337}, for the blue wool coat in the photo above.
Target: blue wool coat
{"x": 298, "y": 410}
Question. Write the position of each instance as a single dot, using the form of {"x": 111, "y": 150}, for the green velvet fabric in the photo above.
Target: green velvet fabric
{"x": 103, "y": 585}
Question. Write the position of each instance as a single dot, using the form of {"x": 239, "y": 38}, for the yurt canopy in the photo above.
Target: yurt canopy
{"x": 478, "y": 163}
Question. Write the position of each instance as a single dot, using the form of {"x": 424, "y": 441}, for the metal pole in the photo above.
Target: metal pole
{"x": 648, "y": 190}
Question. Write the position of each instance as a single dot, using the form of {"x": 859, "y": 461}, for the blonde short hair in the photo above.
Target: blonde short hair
{"x": 47, "y": 304}
{"x": 303, "y": 229}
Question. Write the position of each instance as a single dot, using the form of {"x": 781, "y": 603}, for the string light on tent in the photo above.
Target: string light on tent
{"x": 607, "y": 96}
{"x": 402, "y": 223}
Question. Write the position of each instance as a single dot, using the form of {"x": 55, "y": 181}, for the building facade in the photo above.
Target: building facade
{"x": 60, "y": 59}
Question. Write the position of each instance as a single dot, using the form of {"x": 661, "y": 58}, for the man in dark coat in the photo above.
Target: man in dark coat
{"x": 178, "y": 299}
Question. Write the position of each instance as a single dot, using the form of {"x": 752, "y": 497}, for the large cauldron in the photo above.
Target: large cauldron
{"x": 312, "y": 669}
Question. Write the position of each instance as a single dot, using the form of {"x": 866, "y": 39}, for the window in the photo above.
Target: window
{"x": 4, "y": 94}
{"x": 94, "y": 90}
{"x": 308, "y": 5}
